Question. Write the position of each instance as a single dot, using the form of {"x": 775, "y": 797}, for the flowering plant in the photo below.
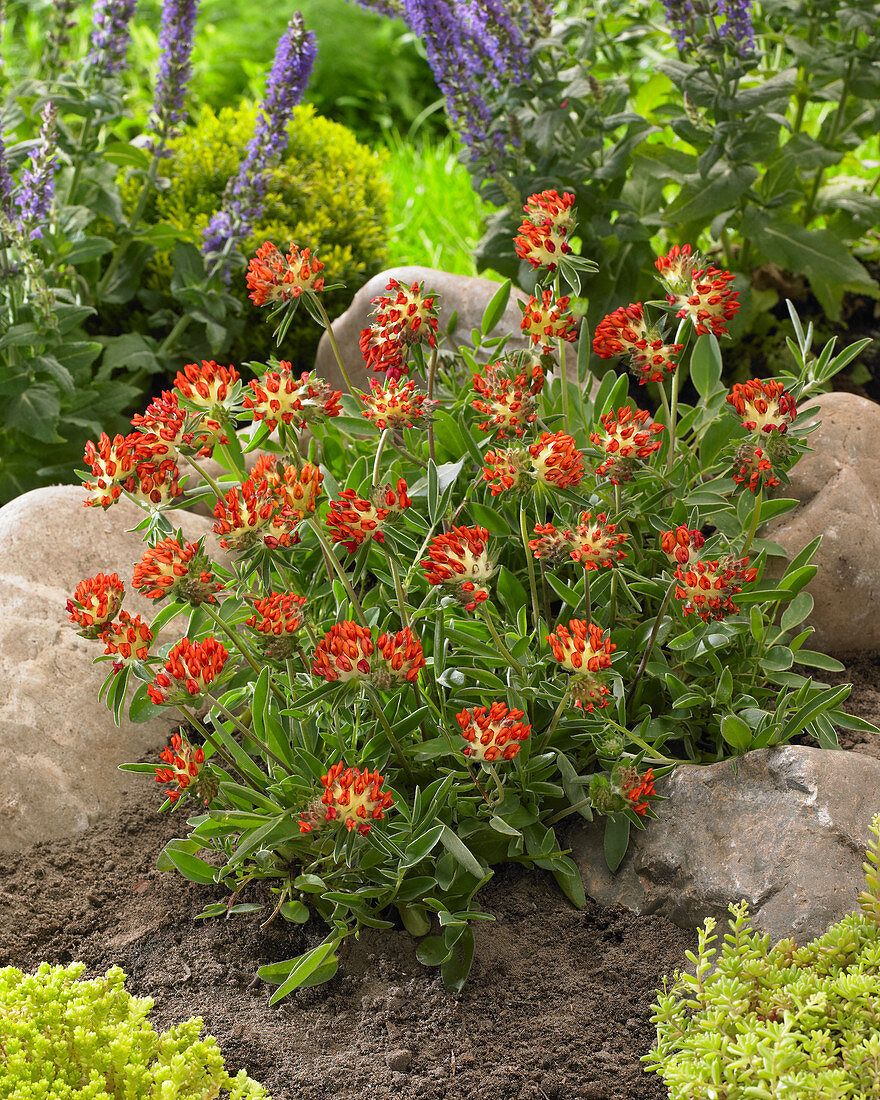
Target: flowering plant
{"x": 460, "y": 606}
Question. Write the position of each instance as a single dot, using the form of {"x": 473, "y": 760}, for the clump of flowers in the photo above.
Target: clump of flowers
{"x": 95, "y": 602}
{"x": 459, "y": 560}
{"x": 682, "y": 545}
{"x": 508, "y": 402}
{"x": 542, "y": 238}
{"x": 298, "y": 402}
{"x": 625, "y": 437}
{"x": 403, "y": 316}
{"x": 279, "y": 618}
{"x": 268, "y": 506}
{"x": 546, "y": 319}
{"x": 183, "y": 764}
{"x": 707, "y": 588}
{"x": 179, "y": 569}
{"x": 593, "y": 542}
{"x": 700, "y": 294}
{"x": 625, "y": 332}
{"x": 753, "y": 469}
{"x": 765, "y": 407}
{"x": 493, "y": 733}
{"x": 583, "y": 650}
{"x": 396, "y": 405}
{"x": 352, "y": 798}
{"x": 274, "y": 278}
{"x": 190, "y": 669}
{"x": 127, "y": 640}
{"x": 352, "y": 519}
{"x": 207, "y": 385}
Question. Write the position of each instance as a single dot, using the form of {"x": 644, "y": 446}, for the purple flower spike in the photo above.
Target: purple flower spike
{"x": 738, "y": 25}
{"x": 108, "y": 42}
{"x": 175, "y": 67}
{"x": 37, "y": 187}
{"x": 243, "y": 202}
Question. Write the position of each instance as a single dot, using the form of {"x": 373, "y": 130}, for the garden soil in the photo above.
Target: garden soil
{"x": 558, "y": 1003}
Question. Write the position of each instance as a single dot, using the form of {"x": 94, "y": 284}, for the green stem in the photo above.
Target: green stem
{"x": 331, "y": 336}
{"x": 333, "y": 561}
{"x": 530, "y": 563}
{"x": 496, "y": 637}
{"x": 651, "y": 640}
{"x": 835, "y": 128}
{"x": 248, "y": 733}
{"x": 673, "y": 417}
{"x": 588, "y": 602}
{"x": 383, "y": 439}
{"x": 753, "y": 526}
{"x": 376, "y": 704}
{"x": 554, "y": 722}
{"x": 563, "y": 379}
{"x": 180, "y": 326}
{"x": 432, "y": 370}
{"x": 128, "y": 235}
{"x": 497, "y": 778}
{"x": 205, "y": 476}
{"x": 217, "y": 747}
{"x": 398, "y": 589}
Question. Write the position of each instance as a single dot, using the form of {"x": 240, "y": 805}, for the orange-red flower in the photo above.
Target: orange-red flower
{"x": 682, "y": 545}
{"x": 95, "y": 602}
{"x": 583, "y": 650}
{"x": 398, "y": 658}
{"x": 184, "y": 765}
{"x": 274, "y": 278}
{"x": 594, "y": 543}
{"x": 352, "y": 520}
{"x": 625, "y": 332}
{"x": 407, "y": 312}
{"x": 707, "y": 588}
{"x": 396, "y": 405}
{"x": 352, "y": 797}
{"x": 459, "y": 560}
{"x": 763, "y": 405}
{"x": 625, "y": 437}
{"x": 542, "y": 235}
{"x": 637, "y": 787}
{"x": 509, "y": 403}
{"x": 126, "y": 640}
{"x": 344, "y": 653}
{"x": 113, "y": 462}
{"x": 556, "y": 460}
{"x": 157, "y": 482}
{"x": 278, "y": 395}
{"x": 280, "y": 616}
{"x": 699, "y": 293}
{"x": 493, "y": 733}
{"x": 181, "y": 430}
{"x": 505, "y": 471}
{"x": 753, "y": 468}
{"x": 190, "y": 669}
{"x": 176, "y": 569}
{"x": 545, "y": 320}
{"x": 268, "y": 506}
{"x": 383, "y": 351}
{"x": 207, "y": 386}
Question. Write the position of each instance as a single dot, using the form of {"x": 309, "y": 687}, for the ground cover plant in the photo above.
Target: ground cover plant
{"x": 455, "y": 616}
{"x": 785, "y": 1021}
{"x": 61, "y": 1036}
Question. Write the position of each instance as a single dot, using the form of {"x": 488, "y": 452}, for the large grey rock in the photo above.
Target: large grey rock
{"x": 784, "y": 828}
{"x": 462, "y": 294}
{"x": 60, "y": 747}
{"x": 838, "y": 488}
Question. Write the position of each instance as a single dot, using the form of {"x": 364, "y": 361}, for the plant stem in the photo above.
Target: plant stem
{"x": 128, "y": 235}
{"x": 218, "y": 748}
{"x": 383, "y": 439}
{"x": 753, "y": 526}
{"x": 245, "y": 732}
{"x": 180, "y": 326}
{"x": 331, "y": 558}
{"x": 331, "y": 336}
{"x": 398, "y": 589}
{"x": 496, "y": 637}
{"x": 498, "y": 784}
{"x": 673, "y": 417}
{"x": 432, "y": 370}
{"x": 563, "y": 380}
{"x": 376, "y": 704}
{"x": 205, "y": 476}
{"x": 588, "y": 603}
{"x": 651, "y": 640}
{"x": 835, "y": 128}
{"x": 530, "y": 563}
{"x": 554, "y": 722}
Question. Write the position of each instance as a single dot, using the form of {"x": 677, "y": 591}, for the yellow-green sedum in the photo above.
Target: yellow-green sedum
{"x": 62, "y": 1038}
{"x": 781, "y": 1023}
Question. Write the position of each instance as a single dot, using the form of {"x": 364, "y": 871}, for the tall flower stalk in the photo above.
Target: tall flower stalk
{"x": 246, "y": 191}
{"x": 110, "y": 35}
{"x": 175, "y": 65}
{"x": 37, "y": 188}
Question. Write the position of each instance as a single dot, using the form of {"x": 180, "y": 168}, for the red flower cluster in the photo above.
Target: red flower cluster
{"x": 509, "y": 403}
{"x": 190, "y": 669}
{"x": 624, "y": 332}
{"x": 556, "y": 460}
{"x": 493, "y": 733}
{"x": 184, "y": 763}
{"x": 636, "y": 787}
{"x": 95, "y": 602}
{"x": 626, "y": 436}
{"x": 136, "y": 463}
{"x": 268, "y": 506}
{"x": 208, "y": 386}
{"x": 352, "y": 520}
{"x": 763, "y": 406}
{"x": 396, "y": 405}
{"x": 278, "y": 613}
{"x": 593, "y": 542}
{"x": 459, "y": 560}
{"x": 182, "y": 431}
{"x": 274, "y": 278}
{"x": 545, "y": 320}
{"x": 178, "y": 569}
{"x": 346, "y": 653}
{"x": 403, "y": 316}
{"x": 401, "y": 659}
{"x": 353, "y": 797}
{"x": 542, "y": 235}
{"x": 754, "y": 469}
{"x": 295, "y": 401}
{"x": 707, "y": 588}
{"x": 126, "y": 640}
{"x": 682, "y": 545}
{"x": 702, "y": 294}
{"x": 583, "y": 650}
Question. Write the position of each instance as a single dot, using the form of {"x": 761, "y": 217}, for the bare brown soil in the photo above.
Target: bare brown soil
{"x": 558, "y": 1003}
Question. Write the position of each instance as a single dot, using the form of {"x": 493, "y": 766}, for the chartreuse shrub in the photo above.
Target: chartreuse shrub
{"x": 62, "y": 1038}
{"x": 781, "y": 1023}
{"x": 327, "y": 187}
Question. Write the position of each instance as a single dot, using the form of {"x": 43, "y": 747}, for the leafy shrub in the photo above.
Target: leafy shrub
{"x": 62, "y": 1038}
{"x": 782, "y": 1022}
{"x": 327, "y": 187}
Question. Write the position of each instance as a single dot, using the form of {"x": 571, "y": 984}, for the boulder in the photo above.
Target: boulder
{"x": 837, "y": 486}
{"x": 60, "y": 746}
{"x": 462, "y": 294}
{"x": 785, "y": 828}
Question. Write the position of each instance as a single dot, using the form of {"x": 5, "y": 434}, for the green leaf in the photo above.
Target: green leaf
{"x": 432, "y": 951}
{"x": 456, "y": 968}
{"x": 460, "y": 851}
{"x": 799, "y": 608}
{"x": 191, "y": 867}
{"x": 495, "y": 309}
{"x": 35, "y": 413}
{"x": 736, "y": 732}
{"x": 418, "y": 848}
{"x": 813, "y": 659}
{"x": 301, "y": 968}
{"x": 616, "y": 840}
{"x": 489, "y": 518}
{"x": 706, "y": 366}
{"x": 294, "y": 912}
